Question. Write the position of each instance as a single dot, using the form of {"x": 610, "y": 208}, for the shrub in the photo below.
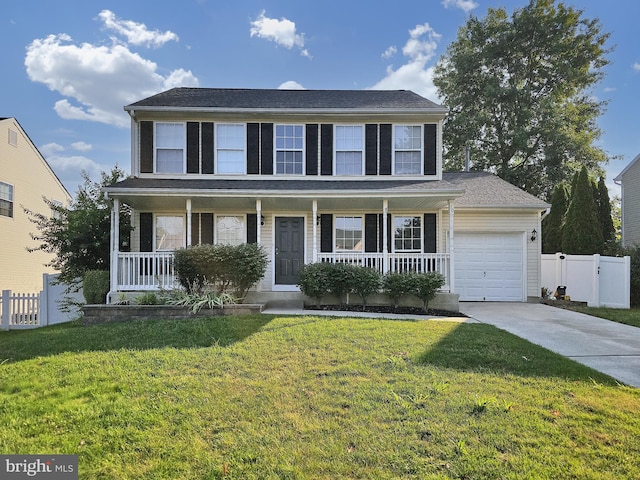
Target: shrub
{"x": 147, "y": 298}
{"x": 226, "y": 268}
{"x": 396, "y": 285}
{"x": 95, "y": 286}
{"x": 198, "y": 300}
{"x": 314, "y": 280}
{"x": 425, "y": 285}
{"x": 342, "y": 279}
{"x": 366, "y": 281}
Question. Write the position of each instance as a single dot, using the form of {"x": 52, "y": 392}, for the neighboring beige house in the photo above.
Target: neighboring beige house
{"x": 629, "y": 180}
{"x": 318, "y": 176}
{"x": 25, "y": 177}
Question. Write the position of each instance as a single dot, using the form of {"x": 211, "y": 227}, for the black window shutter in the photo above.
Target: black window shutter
{"x": 146, "y": 147}
{"x": 430, "y": 131}
{"x": 253, "y": 148}
{"x": 429, "y": 232}
{"x": 381, "y": 233}
{"x": 207, "y": 147}
{"x": 193, "y": 147}
{"x": 146, "y": 232}
{"x": 266, "y": 144}
{"x": 195, "y": 228}
{"x": 206, "y": 228}
{"x": 326, "y": 232}
{"x": 252, "y": 228}
{"x": 326, "y": 149}
{"x": 385, "y": 149}
{"x": 371, "y": 232}
{"x": 311, "y": 146}
{"x": 371, "y": 149}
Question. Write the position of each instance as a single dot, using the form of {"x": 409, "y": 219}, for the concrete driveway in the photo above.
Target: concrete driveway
{"x": 606, "y": 346}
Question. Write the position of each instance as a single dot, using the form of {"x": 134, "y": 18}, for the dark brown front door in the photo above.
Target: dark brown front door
{"x": 289, "y": 249}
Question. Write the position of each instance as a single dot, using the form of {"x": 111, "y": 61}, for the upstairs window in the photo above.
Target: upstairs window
{"x": 170, "y": 147}
{"x": 230, "y": 230}
{"x": 407, "y": 149}
{"x": 6, "y": 200}
{"x": 230, "y": 148}
{"x": 349, "y": 141}
{"x": 407, "y": 234}
{"x": 289, "y": 148}
{"x": 348, "y": 234}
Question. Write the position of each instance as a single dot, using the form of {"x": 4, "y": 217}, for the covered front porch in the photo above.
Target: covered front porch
{"x": 398, "y": 232}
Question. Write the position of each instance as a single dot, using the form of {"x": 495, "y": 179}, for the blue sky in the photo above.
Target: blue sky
{"x": 69, "y": 67}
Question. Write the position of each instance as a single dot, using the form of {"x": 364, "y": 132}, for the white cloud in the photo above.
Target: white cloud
{"x": 136, "y": 33}
{"x": 282, "y": 32}
{"x": 97, "y": 80}
{"x": 81, "y": 146}
{"x": 291, "y": 85}
{"x": 389, "y": 52}
{"x": 50, "y": 149}
{"x": 636, "y": 66}
{"x": 414, "y": 74}
{"x": 466, "y": 5}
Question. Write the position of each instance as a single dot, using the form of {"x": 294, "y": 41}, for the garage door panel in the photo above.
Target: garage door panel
{"x": 489, "y": 266}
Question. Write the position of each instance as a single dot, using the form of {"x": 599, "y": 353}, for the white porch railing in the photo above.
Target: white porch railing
{"x": 145, "y": 271}
{"x": 154, "y": 270}
{"x": 395, "y": 262}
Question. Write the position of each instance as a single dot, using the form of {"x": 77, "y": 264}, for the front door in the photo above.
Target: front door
{"x": 289, "y": 253}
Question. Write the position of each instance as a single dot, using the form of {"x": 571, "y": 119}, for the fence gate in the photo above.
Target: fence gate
{"x": 20, "y": 310}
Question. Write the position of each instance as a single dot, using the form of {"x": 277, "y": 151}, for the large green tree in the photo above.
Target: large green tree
{"x": 78, "y": 235}
{"x": 582, "y": 233}
{"x": 553, "y": 223}
{"x": 603, "y": 205}
{"x": 518, "y": 90}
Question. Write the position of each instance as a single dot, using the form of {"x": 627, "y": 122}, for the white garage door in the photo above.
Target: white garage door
{"x": 489, "y": 267}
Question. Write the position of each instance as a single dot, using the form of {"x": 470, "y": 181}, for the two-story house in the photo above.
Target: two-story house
{"x": 25, "y": 177}
{"x": 317, "y": 176}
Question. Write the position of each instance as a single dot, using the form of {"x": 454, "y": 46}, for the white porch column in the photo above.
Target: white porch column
{"x": 259, "y": 222}
{"x": 314, "y": 222}
{"x": 115, "y": 243}
{"x": 451, "y": 261}
{"x": 385, "y": 243}
{"x": 188, "y": 222}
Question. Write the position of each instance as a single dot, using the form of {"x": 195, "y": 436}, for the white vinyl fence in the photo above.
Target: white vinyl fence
{"x": 600, "y": 281}
{"x": 32, "y": 310}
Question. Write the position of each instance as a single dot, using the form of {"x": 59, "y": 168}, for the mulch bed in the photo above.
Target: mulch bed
{"x": 386, "y": 309}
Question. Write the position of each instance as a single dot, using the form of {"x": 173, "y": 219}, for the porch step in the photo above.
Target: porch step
{"x": 285, "y": 304}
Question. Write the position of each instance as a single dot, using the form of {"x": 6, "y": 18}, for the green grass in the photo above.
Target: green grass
{"x": 626, "y": 316}
{"x": 307, "y": 397}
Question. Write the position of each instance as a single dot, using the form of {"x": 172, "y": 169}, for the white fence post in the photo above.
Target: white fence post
{"x": 596, "y": 281}
{"x": 6, "y": 309}
{"x": 43, "y": 308}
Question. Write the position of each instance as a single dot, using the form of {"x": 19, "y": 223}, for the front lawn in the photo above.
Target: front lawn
{"x": 309, "y": 397}
{"x": 620, "y": 315}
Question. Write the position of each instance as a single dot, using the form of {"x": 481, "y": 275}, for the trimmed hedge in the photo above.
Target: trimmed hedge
{"x": 95, "y": 286}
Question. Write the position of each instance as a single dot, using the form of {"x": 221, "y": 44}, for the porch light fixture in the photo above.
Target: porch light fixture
{"x": 318, "y": 220}
{"x": 261, "y": 219}
{"x": 534, "y": 235}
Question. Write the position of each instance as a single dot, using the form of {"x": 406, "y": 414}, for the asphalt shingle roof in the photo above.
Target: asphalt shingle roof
{"x": 236, "y": 98}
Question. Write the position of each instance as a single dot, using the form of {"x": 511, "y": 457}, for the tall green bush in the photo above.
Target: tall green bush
{"x": 553, "y": 223}
{"x": 366, "y": 281}
{"x": 582, "y": 233}
{"x": 314, "y": 280}
{"x": 397, "y": 285}
{"x": 425, "y": 285}
{"x": 95, "y": 286}
{"x": 342, "y": 279}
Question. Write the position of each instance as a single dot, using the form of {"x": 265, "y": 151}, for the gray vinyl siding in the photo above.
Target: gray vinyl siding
{"x": 631, "y": 205}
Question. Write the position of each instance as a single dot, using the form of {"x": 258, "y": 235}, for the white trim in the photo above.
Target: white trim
{"x": 215, "y": 225}
{"x": 303, "y": 150}
{"x": 420, "y": 216}
{"x": 216, "y": 149}
{"x": 393, "y": 150}
{"x": 155, "y": 223}
{"x": 183, "y": 147}
{"x": 335, "y": 151}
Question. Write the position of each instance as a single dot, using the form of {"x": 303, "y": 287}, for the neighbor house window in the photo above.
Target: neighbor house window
{"x": 407, "y": 234}
{"x": 407, "y": 149}
{"x": 230, "y": 230}
{"x": 6, "y": 200}
{"x": 13, "y": 138}
{"x": 349, "y": 149}
{"x": 230, "y": 148}
{"x": 348, "y": 234}
{"x": 289, "y": 147}
{"x": 170, "y": 147}
{"x": 170, "y": 232}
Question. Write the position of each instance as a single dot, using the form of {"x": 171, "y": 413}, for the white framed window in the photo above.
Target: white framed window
{"x": 289, "y": 146}
{"x": 407, "y": 233}
{"x": 230, "y": 229}
{"x": 170, "y": 232}
{"x": 349, "y": 234}
{"x": 170, "y": 146}
{"x": 6, "y": 200}
{"x": 407, "y": 149}
{"x": 349, "y": 147}
{"x": 13, "y": 138}
{"x": 230, "y": 148}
